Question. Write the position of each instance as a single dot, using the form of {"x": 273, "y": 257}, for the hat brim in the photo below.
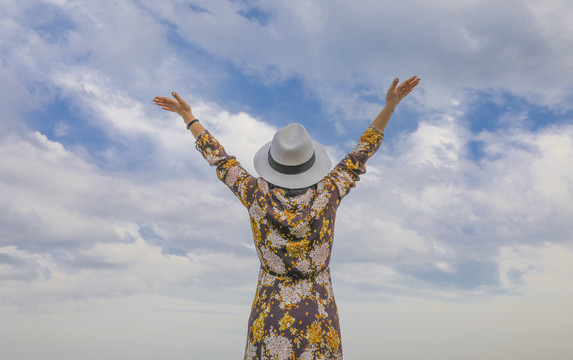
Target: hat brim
{"x": 310, "y": 177}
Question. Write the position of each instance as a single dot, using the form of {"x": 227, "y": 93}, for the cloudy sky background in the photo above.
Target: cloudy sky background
{"x": 118, "y": 242}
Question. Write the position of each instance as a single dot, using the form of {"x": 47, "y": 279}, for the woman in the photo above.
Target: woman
{"x": 292, "y": 207}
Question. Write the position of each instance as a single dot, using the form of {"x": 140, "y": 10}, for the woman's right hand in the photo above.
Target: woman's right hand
{"x": 397, "y": 92}
{"x": 394, "y": 95}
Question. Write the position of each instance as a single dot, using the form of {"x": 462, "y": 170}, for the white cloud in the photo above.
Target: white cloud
{"x": 528, "y": 323}
{"x": 39, "y": 191}
{"x": 117, "y": 269}
{"x": 433, "y": 192}
{"x": 541, "y": 271}
{"x": 118, "y": 114}
{"x": 67, "y": 223}
{"x": 340, "y": 46}
{"x": 436, "y": 145}
{"x": 429, "y": 218}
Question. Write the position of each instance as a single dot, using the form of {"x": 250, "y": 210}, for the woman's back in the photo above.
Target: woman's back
{"x": 294, "y": 314}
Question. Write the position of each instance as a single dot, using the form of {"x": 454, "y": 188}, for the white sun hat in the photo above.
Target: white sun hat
{"x": 292, "y": 160}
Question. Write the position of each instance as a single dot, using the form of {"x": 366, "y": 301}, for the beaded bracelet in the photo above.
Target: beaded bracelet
{"x": 191, "y": 123}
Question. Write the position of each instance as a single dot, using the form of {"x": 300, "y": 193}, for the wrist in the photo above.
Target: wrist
{"x": 391, "y": 106}
{"x": 190, "y": 123}
{"x": 187, "y": 118}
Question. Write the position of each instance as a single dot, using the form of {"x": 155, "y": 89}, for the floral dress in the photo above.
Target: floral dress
{"x": 294, "y": 315}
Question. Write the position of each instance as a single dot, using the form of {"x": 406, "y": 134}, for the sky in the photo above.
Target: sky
{"x": 117, "y": 241}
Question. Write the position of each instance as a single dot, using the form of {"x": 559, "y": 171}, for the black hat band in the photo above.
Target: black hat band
{"x": 291, "y": 169}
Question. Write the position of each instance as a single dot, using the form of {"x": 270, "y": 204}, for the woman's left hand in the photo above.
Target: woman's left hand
{"x": 177, "y": 105}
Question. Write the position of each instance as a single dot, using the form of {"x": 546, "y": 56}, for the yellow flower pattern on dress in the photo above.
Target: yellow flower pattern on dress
{"x": 314, "y": 334}
{"x": 294, "y": 314}
{"x": 286, "y": 322}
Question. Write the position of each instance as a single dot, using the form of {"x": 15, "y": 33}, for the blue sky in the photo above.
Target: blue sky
{"x": 118, "y": 241}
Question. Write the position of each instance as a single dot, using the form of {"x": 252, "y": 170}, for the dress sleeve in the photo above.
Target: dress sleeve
{"x": 347, "y": 172}
{"x": 229, "y": 170}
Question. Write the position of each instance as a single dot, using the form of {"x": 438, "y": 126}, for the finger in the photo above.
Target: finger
{"x": 410, "y": 80}
{"x": 410, "y": 86}
{"x": 394, "y": 84}
{"x": 161, "y": 101}
{"x": 413, "y": 78}
{"x": 415, "y": 81}
{"x": 177, "y": 97}
{"x": 411, "y": 83}
{"x": 182, "y": 104}
{"x": 163, "y": 105}
{"x": 164, "y": 102}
